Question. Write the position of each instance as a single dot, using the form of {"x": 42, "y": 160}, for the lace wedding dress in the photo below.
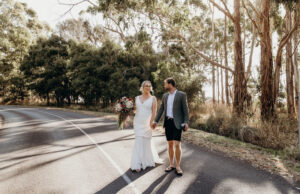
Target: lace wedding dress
{"x": 144, "y": 153}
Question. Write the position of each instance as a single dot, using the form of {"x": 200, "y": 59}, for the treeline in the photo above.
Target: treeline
{"x": 102, "y": 61}
{"x": 226, "y": 45}
{"x": 67, "y": 71}
{"x": 80, "y": 63}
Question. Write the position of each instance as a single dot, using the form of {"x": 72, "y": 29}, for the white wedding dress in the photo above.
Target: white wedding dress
{"x": 144, "y": 153}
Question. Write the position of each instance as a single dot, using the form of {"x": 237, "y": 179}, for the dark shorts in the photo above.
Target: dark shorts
{"x": 172, "y": 133}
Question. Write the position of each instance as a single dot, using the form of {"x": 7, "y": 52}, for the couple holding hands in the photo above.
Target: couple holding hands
{"x": 174, "y": 108}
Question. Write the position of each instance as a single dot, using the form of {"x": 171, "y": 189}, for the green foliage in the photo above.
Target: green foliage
{"x": 45, "y": 68}
{"x": 277, "y": 20}
{"x": 190, "y": 83}
{"x": 122, "y": 5}
{"x": 16, "y": 90}
{"x": 18, "y": 26}
{"x": 81, "y": 30}
{"x": 289, "y": 3}
{"x": 110, "y": 72}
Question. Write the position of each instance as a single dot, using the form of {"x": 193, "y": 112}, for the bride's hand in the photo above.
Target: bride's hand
{"x": 152, "y": 126}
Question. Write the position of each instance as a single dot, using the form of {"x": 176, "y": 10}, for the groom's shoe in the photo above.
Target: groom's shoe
{"x": 169, "y": 169}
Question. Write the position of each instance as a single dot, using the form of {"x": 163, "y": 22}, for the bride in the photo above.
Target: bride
{"x": 144, "y": 153}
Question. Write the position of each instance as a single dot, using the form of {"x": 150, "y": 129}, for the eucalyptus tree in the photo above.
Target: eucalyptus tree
{"x": 240, "y": 85}
{"x": 260, "y": 17}
{"x": 19, "y": 26}
{"x": 82, "y": 31}
{"x": 168, "y": 23}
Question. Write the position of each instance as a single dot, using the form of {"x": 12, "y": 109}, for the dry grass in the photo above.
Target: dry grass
{"x": 281, "y": 133}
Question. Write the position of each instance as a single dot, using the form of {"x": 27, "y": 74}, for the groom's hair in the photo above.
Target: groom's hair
{"x": 171, "y": 80}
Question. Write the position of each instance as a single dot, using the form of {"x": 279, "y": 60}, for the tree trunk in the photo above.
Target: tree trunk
{"x": 282, "y": 43}
{"x": 222, "y": 83}
{"x": 296, "y": 63}
{"x": 278, "y": 63}
{"x": 218, "y": 77}
{"x": 266, "y": 64}
{"x": 218, "y": 80}
{"x": 226, "y": 63}
{"x": 48, "y": 99}
{"x": 231, "y": 93}
{"x": 289, "y": 68}
{"x": 251, "y": 53}
{"x": 213, "y": 67}
{"x": 240, "y": 87}
{"x": 244, "y": 40}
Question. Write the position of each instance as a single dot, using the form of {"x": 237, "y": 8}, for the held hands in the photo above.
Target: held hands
{"x": 186, "y": 127}
{"x": 153, "y": 125}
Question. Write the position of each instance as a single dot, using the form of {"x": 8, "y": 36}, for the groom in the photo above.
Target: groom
{"x": 175, "y": 110}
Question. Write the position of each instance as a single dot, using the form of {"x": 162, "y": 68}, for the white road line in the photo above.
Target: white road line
{"x": 122, "y": 173}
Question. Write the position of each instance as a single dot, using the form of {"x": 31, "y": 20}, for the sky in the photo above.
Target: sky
{"x": 52, "y": 11}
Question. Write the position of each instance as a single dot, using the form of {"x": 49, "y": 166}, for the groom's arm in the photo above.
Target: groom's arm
{"x": 160, "y": 111}
{"x": 185, "y": 108}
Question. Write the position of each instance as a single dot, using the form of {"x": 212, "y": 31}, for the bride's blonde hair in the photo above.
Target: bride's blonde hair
{"x": 143, "y": 84}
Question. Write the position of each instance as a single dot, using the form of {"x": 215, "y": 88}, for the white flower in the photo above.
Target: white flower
{"x": 129, "y": 104}
{"x": 118, "y": 107}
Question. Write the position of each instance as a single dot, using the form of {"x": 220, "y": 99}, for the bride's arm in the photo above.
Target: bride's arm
{"x": 134, "y": 106}
{"x": 154, "y": 109}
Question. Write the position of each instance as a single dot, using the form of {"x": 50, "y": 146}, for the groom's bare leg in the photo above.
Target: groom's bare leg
{"x": 177, "y": 153}
{"x": 171, "y": 152}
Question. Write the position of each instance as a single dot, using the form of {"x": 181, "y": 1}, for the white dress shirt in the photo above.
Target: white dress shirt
{"x": 170, "y": 102}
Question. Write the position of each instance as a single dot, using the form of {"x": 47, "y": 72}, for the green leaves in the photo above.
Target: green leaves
{"x": 45, "y": 67}
{"x": 19, "y": 27}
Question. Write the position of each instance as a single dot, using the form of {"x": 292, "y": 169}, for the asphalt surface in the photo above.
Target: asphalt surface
{"x": 52, "y": 151}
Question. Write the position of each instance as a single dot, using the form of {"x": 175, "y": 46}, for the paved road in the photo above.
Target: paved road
{"x": 52, "y": 151}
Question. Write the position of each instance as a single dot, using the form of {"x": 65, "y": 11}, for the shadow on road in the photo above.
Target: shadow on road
{"x": 210, "y": 172}
{"x": 42, "y": 164}
{"x": 32, "y": 132}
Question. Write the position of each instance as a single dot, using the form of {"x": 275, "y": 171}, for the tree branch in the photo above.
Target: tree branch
{"x": 162, "y": 22}
{"x": 117, "y": 24}
{"x": 259, "y": 15}
{"x": 252, "y": 20}
{"x": 251, "y": 54}
{"x": 296, "y": 47}
{"x": 226, "y": 12}
{"x": 116, "y": 31}
{"x": 225, "y": 5}
{"x": 287, "y": 36}
{"x": 203, "y": 55}
{"x": 72, "y": 5}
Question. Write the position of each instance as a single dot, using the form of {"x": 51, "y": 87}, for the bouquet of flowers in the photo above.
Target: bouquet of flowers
{"x": 123, "y": 107}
